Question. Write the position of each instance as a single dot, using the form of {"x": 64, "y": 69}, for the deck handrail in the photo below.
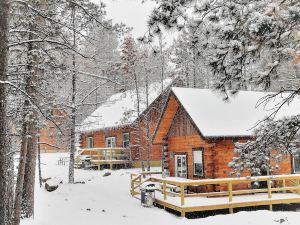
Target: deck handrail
{"x": 110, "y": 155}
{"x": 275, "y": 183}
{"x": 226, "y": 180}
{"x": 104, "y": 148}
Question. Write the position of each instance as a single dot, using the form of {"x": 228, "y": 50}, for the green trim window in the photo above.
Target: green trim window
{"x": 198, "y": 162}
{"x": 126, "y": 140}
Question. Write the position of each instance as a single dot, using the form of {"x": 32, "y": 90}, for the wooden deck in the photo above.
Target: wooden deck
{"x": 107, "y": 156}
{"x": 174, "y": 193}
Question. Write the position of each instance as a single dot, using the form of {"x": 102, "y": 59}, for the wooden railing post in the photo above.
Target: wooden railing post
{"x": 230, "y": 191}
{"x": 297, "y": 184}
{"x": 164, "y": 190}
{"x": 182, "y": 194}
{"x": 110, "y": 156}
{"x": 269, "y": 188}
{"x": 283, "y": 185}
{"x": 270, "y": 193}
{"x": 230, "y": 196}
{"x": 131, "y": 185}
{"x": 129, "y": 149}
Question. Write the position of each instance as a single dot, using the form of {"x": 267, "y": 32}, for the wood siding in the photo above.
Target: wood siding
{"x": 155, "y": 150}
{"x": 181, "y": 125}
{"x": 51, "y": 139}
{"x": 182, "y": 138}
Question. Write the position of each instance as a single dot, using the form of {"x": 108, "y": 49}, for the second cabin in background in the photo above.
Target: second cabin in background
{"x": 115, "y": 124}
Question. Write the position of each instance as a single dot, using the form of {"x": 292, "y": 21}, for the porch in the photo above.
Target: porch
{"x": 107, "y": 157}
{"x": 177, "y": 193}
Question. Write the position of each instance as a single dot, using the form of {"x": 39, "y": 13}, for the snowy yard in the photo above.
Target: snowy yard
{"x": 106, "y": 200}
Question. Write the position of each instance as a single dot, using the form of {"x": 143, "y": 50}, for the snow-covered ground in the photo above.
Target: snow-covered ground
{"x": 106, "y": 200}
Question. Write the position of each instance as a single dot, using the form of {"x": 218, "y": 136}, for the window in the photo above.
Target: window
{"x": 296, "y": 163}
{"x": 110, "y": 142}
{"x": 180, "y": 166}
{"x": 90, "y": 142}
{"x": 126, "y": 140}
{"x": 198, "y": 162}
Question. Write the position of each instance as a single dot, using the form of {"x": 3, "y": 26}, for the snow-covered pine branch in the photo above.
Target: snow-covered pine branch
{"x": 272, "y": 142}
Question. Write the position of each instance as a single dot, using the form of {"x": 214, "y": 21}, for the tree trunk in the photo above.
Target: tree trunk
{"x": 194, "y": 68}
{"x": 28, "y": 187}
{"x": 162, "y": 62}
{"x": 73, "y": 114}
{"x": 20, "y": 176}
{"x": 27, "y": 165}
{"x": 5, "y": 163}
{"x": 138, "y": 127}
{"x": 148, "y": 116}
{"x": 39, "y": 160}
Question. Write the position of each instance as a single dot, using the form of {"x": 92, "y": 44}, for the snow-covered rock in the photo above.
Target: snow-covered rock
{"x": 53, "y": 183}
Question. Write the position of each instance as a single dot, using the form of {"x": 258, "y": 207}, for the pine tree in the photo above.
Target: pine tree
{"x": 130, "y": 57}
{"x": 5, "y": 163}
{"x": 248, "y": 45}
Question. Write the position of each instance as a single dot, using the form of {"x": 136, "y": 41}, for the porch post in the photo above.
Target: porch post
{"x": 164, "y": 190}
{"x": 270, "y": 193}
{"x": 182, "y": 194}
{"x": 110, "y": 155}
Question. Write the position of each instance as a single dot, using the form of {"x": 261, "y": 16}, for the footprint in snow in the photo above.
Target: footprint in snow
{"x": 281, "y": 220}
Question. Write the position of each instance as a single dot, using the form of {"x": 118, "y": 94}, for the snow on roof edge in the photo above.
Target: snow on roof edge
{"x": 91, "y": 124}
{"x": 208, "y": 133}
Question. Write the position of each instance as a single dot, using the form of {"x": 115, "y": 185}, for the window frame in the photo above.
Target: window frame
{"x": 127, "y": 140}
{"x": 202, "y": 162}
{"x": 293, "y": 158}
{"x": 176, "y": 155}
{"x": 110, "y": 137}
{"x": 88, "y": 141}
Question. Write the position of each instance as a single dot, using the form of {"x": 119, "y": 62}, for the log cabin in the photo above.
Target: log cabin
{"x": 198, "y": 131}
{"x": 114, "y": 124}
{"x": 53, "y": 139}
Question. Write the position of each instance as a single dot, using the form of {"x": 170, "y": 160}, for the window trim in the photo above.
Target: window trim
{"x": 293, "y": 160}
{"x": 88, "y": 141}
{"x": 124, "y": 141}
{"x": 175, "y": 165}
{"x": 110, "y": 137}
{"x": 202, "y": 151}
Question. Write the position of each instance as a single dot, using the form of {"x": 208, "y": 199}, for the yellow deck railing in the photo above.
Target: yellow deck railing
{"x": 110, "y": 156}
{"x": 184, "y": 189}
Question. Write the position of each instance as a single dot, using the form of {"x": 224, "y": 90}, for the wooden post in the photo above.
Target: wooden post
{"x": 110, "y": 156}
{"x": 269, "y": 188}
{"x": 270, "y": 193}
{"x": 182, "y": 194}
{"x": 131, "y": 184}
{"x": 230, "y": 196}
{"x": 283, "y": 185}
{"x": 99, "y": 165}
{"x": 297, "y": 184}
{"x": 164, "y": 190}
{"x": 130, "y": 156}
{"x": 183, "y": 213}
{"x": 271, "y": 207}
{"x": 230, "y": 191}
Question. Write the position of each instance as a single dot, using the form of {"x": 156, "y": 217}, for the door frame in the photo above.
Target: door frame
{"x": 175, "y": 163}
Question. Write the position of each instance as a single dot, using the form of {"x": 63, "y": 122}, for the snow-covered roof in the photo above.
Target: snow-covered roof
{"x": 120, "y": 109}
{"x": 216, "y": 118}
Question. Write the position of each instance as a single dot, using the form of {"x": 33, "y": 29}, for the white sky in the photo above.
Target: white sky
{"x": 131, "y": 12}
